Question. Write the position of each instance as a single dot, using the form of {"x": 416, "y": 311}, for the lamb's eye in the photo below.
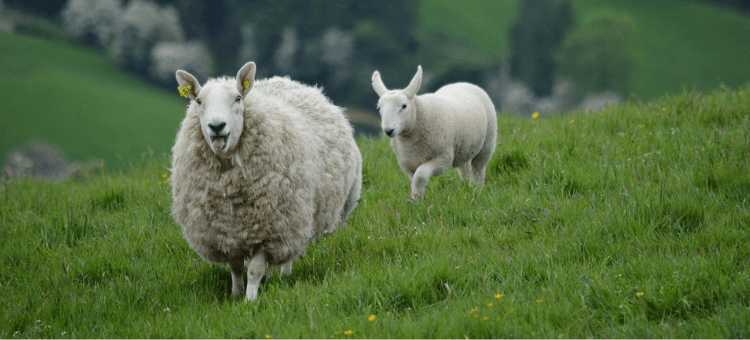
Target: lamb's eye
{"x": 403, "y": 106}
{"x": 238, "y": 99}
{"x": 197, "y": 100}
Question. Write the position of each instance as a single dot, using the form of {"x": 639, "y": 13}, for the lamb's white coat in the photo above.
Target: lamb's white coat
{"x": 454, "y": 127}
{"x": 259, "y": 170}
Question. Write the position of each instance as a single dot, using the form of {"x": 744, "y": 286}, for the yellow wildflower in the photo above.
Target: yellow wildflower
{"x": 539, "y": 300}
{"x": 476, "y": 315}
{"x": 535, "y": 115}
{"x": 146, "y": 181}
{"x": 640, "y": 126}
{"x": 348, "y": 332}
{"x": 184, "y": 90}
{"x": 485, "y": 318}
{"x": 489, "y": 304}
{"x": 164, "y": 176}
{"x": 581, "y": 135}
{"x": 572, "y": 121}
{"x": 268, "y": 336}
{"x": 473, "y": 310}
{"x": 337, "y": 332}
{"x": 639, "y": 294}
{"x": 246, "y": 84}
{"x": 664, "y": 109}
{"x": 372, "y": 317}
{"x": 498, "y": 295}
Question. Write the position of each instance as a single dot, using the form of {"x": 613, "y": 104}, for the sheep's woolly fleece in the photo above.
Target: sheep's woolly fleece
{"x": 294, "y": 174}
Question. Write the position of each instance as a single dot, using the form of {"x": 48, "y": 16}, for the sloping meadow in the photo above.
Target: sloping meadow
{"x": 626, "y": 222}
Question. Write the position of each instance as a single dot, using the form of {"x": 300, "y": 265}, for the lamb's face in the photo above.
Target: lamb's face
{"x": 220, "y": 108}
{"x": 397, "y": 113}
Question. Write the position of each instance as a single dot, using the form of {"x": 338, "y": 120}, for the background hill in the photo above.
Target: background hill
{"x": 630, "y": 222}
{"x": 678, "y": 44}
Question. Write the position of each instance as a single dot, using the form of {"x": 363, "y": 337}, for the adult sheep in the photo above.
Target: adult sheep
{"x": 453, "y": 127}
{"x": 259, "y": 170}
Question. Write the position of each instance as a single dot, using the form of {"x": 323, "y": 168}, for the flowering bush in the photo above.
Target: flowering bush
{"x": 93, "y": 21}
{"x": 168, "y": 57}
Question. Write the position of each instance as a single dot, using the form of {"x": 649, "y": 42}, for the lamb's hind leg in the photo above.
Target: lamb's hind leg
{"x": 478, "y": 165}
{"x": 237, "y": 266}
{"x": 255, "y": 270}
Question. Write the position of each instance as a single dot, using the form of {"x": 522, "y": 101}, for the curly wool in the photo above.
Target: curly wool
{"x": 294, "y": 175}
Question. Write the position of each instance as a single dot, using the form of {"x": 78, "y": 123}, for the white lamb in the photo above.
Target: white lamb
{"x": 259, "y": 170}
{"x": 453, "y": 127}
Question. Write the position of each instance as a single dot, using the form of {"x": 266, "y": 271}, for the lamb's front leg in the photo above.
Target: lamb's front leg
{"x": 424, "y": 173}
{"x": 237, "y": 266}
{"x": 255, "y": 270}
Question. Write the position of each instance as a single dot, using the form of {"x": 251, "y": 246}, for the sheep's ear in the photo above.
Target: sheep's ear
{"x": 377, "y": 84}
{"x": 246, "y": 78}
{"x": 411, "y": 90}
{"x": 189, "y": 86}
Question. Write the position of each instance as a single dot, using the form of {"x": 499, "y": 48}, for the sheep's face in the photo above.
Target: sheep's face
{"x": 397, "y": 113}
{"x": 220, "y": 108}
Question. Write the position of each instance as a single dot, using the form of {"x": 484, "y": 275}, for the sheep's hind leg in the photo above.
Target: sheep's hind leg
{"x": 255, "y": 270}
{"x": 478, "y": 165}
{"x": 286, "y": 268}
{"x": 237, "y": 266}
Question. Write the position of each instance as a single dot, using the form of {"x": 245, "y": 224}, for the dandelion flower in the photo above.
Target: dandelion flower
{"x": 337, "y": 332}
{"x": 539, "y": 300}
{"x": 372, "y": 317}
{"x": 164, "y": 176}
{"x": 572, "y": 121}
{"x": 535, "y": 115}
{"x": 476, "y": 315}
{"x": 498, "y": 295}
{"x": 348, "y": 332}
{"x": 639, "y": 294}
{"x": 664, "y": 109}
{"x": 640, "y": 126}
{"x": 146, "y": 181}
{"x": 489, "y": 304}
{"x": 268, "y": 336}
{"x": 485, "y": 318}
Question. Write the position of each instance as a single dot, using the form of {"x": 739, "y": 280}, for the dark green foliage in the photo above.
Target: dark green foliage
{"x": 534, "y": 38}
{"x": 598, "y": 56}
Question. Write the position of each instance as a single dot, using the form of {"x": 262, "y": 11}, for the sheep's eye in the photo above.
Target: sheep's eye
{"x": 403, "y": 106}
{"x": 238, "y": 99}
{"x": 197, "y": 100}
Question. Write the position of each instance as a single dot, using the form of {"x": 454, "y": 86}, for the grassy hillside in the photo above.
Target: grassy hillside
{"x": 80, "y": 101}
{"x": 628, "y": 222}
{"x": 678, "y": 43}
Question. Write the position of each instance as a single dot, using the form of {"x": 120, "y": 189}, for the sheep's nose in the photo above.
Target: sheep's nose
{"x": 389, "y": 132}
{"x": 217, "y": 127}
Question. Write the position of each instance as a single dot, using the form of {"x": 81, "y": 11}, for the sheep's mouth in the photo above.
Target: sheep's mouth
{"x": 219, "y": 142}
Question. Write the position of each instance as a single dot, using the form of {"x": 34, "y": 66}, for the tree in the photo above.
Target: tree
{"x": 597, "y": 56}
{"x": 534, "y": 38}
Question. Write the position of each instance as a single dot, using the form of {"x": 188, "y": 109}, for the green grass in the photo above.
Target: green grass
{"x": 679, "y": 44}
{"x": 80, "y": 101}
{"x": 631, "y": 222}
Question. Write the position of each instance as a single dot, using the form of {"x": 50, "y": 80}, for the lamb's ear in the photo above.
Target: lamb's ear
{"x": 189, "y": 86}
{"x": 246, "y": 78}
{"x": 411, "y": 90}
{"x": 377, "y": 84}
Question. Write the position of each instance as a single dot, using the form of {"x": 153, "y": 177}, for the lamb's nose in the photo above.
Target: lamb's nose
{"x": 217, "y": 127}
{"x": 388, "y": 133}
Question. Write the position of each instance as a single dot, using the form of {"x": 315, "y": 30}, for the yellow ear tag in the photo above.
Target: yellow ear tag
{"x": 246, "y": 84}
{"x": 184, "y": 90}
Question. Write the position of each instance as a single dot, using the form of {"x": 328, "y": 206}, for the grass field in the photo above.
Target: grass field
{"x": 679, "y": 44}
{"x": 80, "y": 101}
{"x": 631, "y": 222}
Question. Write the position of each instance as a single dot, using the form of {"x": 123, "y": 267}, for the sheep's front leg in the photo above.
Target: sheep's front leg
{"x": 255, "y": 270}
{"x": 237, "y": 266}
{"x": 423, "y": 174}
